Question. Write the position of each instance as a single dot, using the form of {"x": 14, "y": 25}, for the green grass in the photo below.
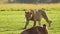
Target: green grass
{"x": 12, "y": 22}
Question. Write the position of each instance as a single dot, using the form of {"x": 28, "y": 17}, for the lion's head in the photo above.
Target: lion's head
{"x": 28, "y": 15}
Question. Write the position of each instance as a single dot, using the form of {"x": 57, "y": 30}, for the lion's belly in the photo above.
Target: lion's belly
{"x": 37, "y": 19}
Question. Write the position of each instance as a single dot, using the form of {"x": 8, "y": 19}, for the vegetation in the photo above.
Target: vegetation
{"x": 19, "y": 7}
{"x": 12, "y": 22}
{"x": 29, "y": 1}
{"x": 12, "y": 18}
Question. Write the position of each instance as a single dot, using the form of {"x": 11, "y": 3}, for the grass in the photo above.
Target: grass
{"x": 19, "y": 7}
{"x": 12, "y": 22}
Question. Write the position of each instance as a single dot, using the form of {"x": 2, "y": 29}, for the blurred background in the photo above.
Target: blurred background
{"x": 12, "y": 15}
{"x": 29, "y": 1}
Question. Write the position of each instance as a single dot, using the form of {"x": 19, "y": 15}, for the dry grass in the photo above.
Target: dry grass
{"x": 18, "y": 7}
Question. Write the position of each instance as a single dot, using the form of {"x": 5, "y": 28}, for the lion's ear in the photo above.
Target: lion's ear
{"x": 25, "y": 12}
{"x": 44, "y": 26}
{"x": 30, "y": 13}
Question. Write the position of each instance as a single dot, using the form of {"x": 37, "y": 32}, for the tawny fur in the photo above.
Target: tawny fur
{"x": 36, "y": 16}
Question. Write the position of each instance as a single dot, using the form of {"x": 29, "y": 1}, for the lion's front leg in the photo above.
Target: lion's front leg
{"x": 39, "y": 22}
{"x": 34, "y": 23}
{"x": 27, "y": 22}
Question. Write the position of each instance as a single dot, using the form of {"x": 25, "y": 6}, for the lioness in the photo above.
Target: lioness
{"x": 36, "y": 30}
{"x": 36, "y": 16}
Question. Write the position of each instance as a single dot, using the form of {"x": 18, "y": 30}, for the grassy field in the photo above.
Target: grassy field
{"x": 18, "y": 7}
{"x": 12, "y": 22}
